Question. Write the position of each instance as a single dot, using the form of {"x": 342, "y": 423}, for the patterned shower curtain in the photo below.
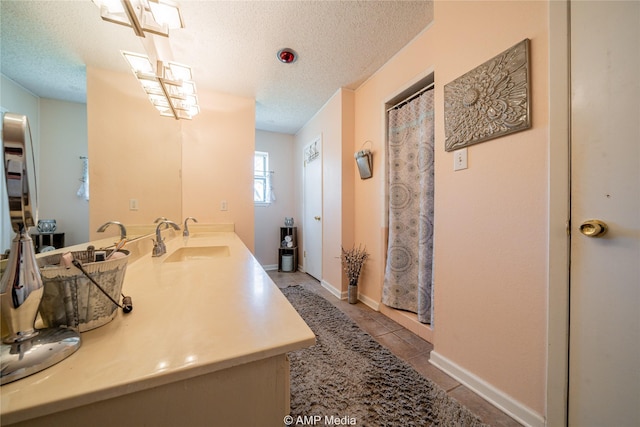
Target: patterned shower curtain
{"x": 408, "y": 274}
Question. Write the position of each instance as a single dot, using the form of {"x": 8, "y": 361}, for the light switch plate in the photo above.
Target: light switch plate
{"x": 460, "y": 159}
{"x": 133, "y": 204}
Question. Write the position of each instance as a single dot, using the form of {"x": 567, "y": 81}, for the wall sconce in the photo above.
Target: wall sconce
{"x": 151, "y": 16}
{"x": 171, "y": 90}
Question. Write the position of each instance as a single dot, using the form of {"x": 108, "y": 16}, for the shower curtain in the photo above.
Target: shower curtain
{"x": 408, "y": 273}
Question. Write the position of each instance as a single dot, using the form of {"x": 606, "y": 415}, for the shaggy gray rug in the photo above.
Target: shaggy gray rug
{"x": 348, "y": 378}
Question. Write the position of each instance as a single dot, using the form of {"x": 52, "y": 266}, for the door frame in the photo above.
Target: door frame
{"x": 6, "y": 229}
{"x": 305, "y": 220}
{"x": 559, "y": 213}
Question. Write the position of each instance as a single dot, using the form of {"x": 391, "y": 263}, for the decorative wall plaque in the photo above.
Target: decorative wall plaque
{"x": 489, "y": 101}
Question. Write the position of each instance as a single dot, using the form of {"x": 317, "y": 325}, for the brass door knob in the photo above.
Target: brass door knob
{"x": 593, "y": 228}
{"x": 317, "y": 218}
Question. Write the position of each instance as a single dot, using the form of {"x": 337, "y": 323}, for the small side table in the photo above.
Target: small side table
{"x": 292, "y": 251}
{"x": 40, "y": 240}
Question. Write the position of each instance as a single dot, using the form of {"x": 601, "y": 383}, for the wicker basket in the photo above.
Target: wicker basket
{"x": 70, "y": 299}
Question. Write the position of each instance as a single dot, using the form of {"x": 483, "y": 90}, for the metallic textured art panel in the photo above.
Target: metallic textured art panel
{"x": 489, "y": 101}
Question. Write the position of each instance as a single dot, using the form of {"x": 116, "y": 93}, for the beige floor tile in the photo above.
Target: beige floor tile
{"x": 421, "y": 364}
{"x": 371, "y": 327}
{"x": 488, "y": 413}
{"x": 391, "y": 325}
{"x": 398, "y": 346}
{"x": 414, "y": 340}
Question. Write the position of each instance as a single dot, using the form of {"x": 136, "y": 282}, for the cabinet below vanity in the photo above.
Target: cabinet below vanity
{"x": 206, "y": 344}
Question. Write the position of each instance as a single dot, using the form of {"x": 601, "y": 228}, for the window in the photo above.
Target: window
{"x": 262, "y": 191}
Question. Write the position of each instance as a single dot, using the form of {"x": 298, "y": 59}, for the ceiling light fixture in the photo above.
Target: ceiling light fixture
{"x": 151, "y": 16}
{"x": 287, "y": 56}
{"x": 171, "y": 89}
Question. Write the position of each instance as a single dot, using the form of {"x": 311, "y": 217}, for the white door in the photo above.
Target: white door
{"x": 312, "y": 221}
{"x": 604, "y": 342}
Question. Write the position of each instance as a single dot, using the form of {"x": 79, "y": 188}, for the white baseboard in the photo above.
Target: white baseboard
{"x": 272, "y": 267}
{"x": 334, "y": 291}
{"x": 373, "y": 304}
{"x": 345, "y": 295}
{"x": 498, "y": 398}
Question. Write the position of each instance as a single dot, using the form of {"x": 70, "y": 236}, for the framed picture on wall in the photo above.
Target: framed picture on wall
{"x": 490, "y": 101}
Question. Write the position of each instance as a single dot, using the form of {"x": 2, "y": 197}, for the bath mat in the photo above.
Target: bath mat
{"x": 348, "y": 378}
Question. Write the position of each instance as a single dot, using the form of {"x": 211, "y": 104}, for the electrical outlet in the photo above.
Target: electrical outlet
{"x": 460, "y": 159}
{"x": 223, "y": 205}
{"x": 133, "y": 204}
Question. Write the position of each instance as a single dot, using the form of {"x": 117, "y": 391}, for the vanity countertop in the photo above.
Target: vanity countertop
{"x": 190, "y": 318}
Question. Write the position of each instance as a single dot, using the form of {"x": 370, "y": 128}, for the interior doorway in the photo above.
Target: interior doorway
{"x": 312, "y": 208}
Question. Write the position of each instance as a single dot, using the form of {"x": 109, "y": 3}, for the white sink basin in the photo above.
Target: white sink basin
{"x": 198, "y": 253}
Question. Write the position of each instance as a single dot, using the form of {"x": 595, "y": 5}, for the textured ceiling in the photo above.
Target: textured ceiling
{"x": 45, "y": 46}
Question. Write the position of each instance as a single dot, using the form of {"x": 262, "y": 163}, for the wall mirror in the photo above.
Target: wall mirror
{"x": 60, "y": 169}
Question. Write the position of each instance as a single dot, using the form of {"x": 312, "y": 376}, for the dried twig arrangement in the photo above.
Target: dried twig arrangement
{"x": 352, "y": 261}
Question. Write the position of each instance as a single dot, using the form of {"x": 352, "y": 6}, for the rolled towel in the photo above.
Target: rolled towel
{"x": 116, "y": 255}
{"x": 66, "y": 260}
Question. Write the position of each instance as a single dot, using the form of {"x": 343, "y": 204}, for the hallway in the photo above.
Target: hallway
{"x": 404, "y": 344}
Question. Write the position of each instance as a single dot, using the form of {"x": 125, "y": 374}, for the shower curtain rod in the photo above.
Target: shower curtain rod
{"x": 410, "y": 97}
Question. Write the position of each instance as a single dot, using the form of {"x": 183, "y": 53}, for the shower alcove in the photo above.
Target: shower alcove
{"x": 407, "y": 293}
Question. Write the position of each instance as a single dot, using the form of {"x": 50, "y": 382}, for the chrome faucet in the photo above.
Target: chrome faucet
{"x": 159, "y": 248}
{"x": 161, "y": 218}
{"x": 123, "y": 230}
{"x": 185, "y": 232}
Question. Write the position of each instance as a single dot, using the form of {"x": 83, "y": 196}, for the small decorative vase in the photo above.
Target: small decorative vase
{"x": 47, "y": 225}
{"x": 353, "y": 292}
{"x": 288, "y": 222}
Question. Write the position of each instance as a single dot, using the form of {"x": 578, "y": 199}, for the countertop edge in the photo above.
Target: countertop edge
{"x": 146, "y": 384}
{"x": 25, "y": 412}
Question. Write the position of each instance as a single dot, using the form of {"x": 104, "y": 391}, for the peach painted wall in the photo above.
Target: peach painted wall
{"x": 336, "y": 140}
{"x": 134, "y": 153}
{"x": 491, "y": 219}
{"x": 269, "y": 219}
{"x": 349, "y": 173}
{"x": 217, "y": 162}
{"x": 173, "y": 168}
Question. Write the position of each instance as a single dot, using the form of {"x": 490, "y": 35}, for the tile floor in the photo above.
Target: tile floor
{"x": 404, "y": 344}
